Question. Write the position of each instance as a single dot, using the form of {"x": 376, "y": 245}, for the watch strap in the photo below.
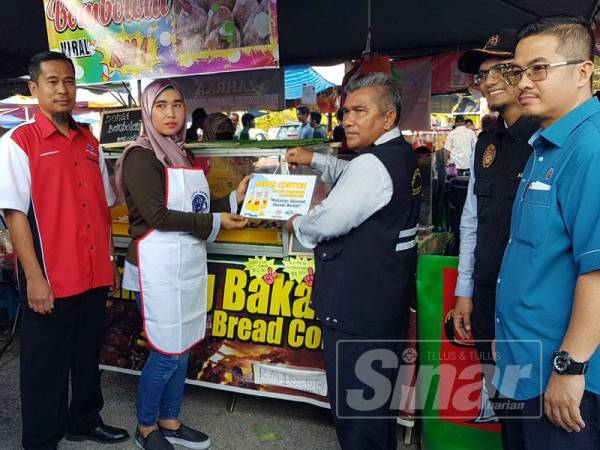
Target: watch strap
{"x": 577, "y": 368}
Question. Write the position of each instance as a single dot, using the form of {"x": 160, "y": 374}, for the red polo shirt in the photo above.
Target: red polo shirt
{"x": 61, "y": 183}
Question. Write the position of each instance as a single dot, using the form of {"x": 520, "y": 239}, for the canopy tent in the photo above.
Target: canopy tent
{"x": 321, "y": 32}
{"x": 16, "y": 109}
{"x": 18, "y": 116}
{"x": 318, "y": 32}
{"x": 86, "y": 98}
{"x": 298, "y": 76}
{"x": 10, "y": 120}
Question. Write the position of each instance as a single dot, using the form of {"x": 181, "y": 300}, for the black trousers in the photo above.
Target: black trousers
{"x": 54, "y": 346}
{"x": 525, "y": 427}
{"x": 361, "y": 377}
{"x": 483, "y": 326}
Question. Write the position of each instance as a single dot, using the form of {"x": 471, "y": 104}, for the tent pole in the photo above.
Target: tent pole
{"x": 368, "y": 45}
{"x": 130, "y": 99}
{"x": 118, "y": 98}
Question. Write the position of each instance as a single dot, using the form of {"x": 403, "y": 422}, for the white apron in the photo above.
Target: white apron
{"x": 172, "y": 268}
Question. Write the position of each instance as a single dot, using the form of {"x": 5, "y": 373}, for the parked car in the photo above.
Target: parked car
{"x": 287, "y": 131}
{"x": 256, "y": 134}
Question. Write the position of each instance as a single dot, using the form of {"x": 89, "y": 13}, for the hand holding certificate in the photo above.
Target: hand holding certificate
{"x": 278, "y": 197}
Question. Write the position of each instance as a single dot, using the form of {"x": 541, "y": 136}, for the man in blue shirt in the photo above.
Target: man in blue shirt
{"x": 319, "y": 131}
{"x": 548, "y": 291}
{"x": 303, "y": 115}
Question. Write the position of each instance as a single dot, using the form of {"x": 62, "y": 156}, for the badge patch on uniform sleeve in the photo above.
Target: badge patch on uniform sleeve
{"x": 489, "y": 156}
{"x": 416, "y": 182}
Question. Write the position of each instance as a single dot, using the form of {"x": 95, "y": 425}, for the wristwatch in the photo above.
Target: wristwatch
{"x": 563, "y": 364}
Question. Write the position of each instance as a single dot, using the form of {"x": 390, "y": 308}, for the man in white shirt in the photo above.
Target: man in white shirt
{"x": 460, "y": 144}
{"x": 364, "y": 235}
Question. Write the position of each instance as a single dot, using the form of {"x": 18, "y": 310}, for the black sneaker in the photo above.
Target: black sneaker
{"x": 154, "y": 441}
{"x": 187, "y": 437}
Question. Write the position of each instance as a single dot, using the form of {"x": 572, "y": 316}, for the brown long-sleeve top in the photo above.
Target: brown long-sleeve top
{"x": 144, "y": 179}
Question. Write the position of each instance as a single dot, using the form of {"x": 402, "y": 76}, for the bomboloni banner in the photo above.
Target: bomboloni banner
{"x": 114, "y": 40}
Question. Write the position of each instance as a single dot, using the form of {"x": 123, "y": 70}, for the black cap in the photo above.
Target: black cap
{"x": 500, "y": 45}
{"x": 459, "y": 118}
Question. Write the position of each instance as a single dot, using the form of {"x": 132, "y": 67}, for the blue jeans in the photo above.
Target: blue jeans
{"x": 160, "y": 392}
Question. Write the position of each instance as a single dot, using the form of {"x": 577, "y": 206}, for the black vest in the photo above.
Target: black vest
{"x": 500, "y": 157}
{"x": 365, "y": 279}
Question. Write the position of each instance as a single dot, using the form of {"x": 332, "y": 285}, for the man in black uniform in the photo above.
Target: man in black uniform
{"x": 364, "y": 235}
{"x": 500, "y": 156}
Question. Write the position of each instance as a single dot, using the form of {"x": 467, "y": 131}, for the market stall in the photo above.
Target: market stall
{"x": 263, "y": 337}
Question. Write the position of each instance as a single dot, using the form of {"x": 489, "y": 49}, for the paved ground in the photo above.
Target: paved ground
{"x": 256, "y": 423}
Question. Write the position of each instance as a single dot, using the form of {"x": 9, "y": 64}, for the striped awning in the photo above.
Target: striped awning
{"x": 298, "y": 76}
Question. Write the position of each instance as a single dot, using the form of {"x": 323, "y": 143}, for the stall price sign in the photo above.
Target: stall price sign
{"x": 278, "y": 197}
{"x": 309, "y": 94}
{"x": 120, "y": 127}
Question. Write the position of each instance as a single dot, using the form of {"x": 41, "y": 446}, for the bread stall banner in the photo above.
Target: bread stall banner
{"x": 114, "y": 40}
{"x": 262, "y": 335}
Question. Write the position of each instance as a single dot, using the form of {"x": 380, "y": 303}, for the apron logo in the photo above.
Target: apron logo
{"x": 489, "y": 156}
{"x": 416, "y": 182}
{"x": 199, "y": 202}
{"x": 549, "y": 173}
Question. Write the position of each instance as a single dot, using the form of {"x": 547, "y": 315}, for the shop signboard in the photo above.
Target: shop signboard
{"x": 114, "y": 40}
{"x": 236, "y": 91}
{"x": 120, "y": 127}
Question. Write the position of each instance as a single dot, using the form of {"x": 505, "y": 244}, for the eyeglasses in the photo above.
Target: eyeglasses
{"x": 495, "y": 72}
{"x": 537, "y": 72}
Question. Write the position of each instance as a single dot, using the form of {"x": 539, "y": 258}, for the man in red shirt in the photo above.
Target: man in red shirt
{"x": 55, "y": 194}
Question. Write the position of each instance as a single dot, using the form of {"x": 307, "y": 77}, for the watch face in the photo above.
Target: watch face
{"x": 561, "y": 363}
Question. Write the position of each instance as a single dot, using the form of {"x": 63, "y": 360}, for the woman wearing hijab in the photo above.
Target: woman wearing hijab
{"x": 170, "y": 222}
{"x": 218, "y": 127}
